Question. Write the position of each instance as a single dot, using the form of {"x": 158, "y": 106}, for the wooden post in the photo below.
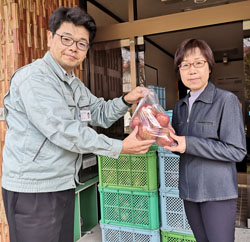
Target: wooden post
{"x": 132, "y": 50}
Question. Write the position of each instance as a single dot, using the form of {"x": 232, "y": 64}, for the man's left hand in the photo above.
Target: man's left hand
{"x": 136, "y": 94}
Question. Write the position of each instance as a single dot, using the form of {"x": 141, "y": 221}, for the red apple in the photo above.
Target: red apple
{"x": 164, "y": 138}
{"x": 163, "y": 119}
{"x": 147, "y": 132}
{"x": 147, "y": 111}
{"x": 135, "y": 121}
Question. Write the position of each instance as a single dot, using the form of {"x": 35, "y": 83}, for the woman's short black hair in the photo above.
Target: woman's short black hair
{"x": 190, "y": 45}
{"x": 74, "y": 15}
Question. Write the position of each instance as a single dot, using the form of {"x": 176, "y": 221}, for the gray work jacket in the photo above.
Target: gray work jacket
{"x": 46, "y": 131}
{"x": 215, "y": 141}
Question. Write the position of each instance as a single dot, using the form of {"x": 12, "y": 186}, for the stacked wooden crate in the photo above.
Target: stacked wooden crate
{"x": 23, "y": 38}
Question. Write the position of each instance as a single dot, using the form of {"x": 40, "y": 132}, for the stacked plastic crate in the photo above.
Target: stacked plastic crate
{"x": 129, "y": 204}
{"x": 161, "y": 93}
{"x": 174, "y": 224}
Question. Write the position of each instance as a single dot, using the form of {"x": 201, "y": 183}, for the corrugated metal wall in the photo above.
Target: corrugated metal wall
{"x": 23, "y": 25}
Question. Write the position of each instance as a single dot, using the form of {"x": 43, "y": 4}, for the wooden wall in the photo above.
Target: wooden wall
{"x": 23, "y": 26}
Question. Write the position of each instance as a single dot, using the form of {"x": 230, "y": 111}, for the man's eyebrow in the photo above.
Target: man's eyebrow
{"x": 66, "y": 33}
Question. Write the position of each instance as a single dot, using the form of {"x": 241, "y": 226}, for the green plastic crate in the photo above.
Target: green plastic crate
{"x": 137, "y": 172}
{"x": 131, "y": 208}
{"x": 176, "y": 237}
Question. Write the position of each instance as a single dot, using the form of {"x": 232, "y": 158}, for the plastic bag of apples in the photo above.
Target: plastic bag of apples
{"x": 152, "y": 121}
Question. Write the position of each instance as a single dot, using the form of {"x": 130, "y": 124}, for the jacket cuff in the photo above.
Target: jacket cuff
{"x": 116, "y": 148}
{"x": 128, "y": 104}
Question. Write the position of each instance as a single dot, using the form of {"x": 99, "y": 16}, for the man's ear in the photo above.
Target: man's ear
{"x": 49, "y": 38}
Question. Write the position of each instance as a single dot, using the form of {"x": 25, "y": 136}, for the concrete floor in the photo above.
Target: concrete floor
{"x": 241, "y": 235}
{"x": 95, "y": 235}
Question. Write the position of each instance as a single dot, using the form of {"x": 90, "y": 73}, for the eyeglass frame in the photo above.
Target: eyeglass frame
{"x": 192, "y": 64}
{"x": 73, "y": 41}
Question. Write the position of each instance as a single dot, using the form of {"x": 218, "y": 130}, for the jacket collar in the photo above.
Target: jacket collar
{"x": 57, "y": 69}
{"x": 206, "y": 96}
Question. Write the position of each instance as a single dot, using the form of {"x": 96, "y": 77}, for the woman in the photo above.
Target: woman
{"x": 210, "y": 139}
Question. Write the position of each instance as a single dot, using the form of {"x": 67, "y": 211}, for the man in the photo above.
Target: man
{"x": 48, "y": 111}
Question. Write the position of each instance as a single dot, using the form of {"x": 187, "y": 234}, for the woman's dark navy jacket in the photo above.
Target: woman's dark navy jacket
{"x": 215, "y": 141}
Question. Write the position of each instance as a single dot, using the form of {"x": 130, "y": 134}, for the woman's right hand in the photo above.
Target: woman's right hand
{"x": 180, "y": 146}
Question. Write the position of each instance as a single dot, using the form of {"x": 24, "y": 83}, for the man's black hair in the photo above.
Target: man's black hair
{"x": 74, "y": 15}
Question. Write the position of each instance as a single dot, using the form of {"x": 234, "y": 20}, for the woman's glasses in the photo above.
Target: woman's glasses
{"x": 196, "y": 64}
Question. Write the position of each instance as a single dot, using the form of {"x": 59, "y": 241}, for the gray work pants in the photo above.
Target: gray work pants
{"x": 40, "y": 217}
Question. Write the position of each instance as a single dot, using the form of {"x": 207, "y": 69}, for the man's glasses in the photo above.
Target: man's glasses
{"x": 196, "y": 64}
{"x": 67, "y": 41}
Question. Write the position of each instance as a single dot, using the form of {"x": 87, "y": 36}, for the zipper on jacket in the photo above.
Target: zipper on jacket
{"x": 39, "y": 149}
{"x": 5, "y": 109}
{"x": 188, "y": 112}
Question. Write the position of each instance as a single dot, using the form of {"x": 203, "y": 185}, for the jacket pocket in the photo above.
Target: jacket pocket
{"x": 39, "y": 150}
{"x": 83, "y": 103}
{"x": 206, "y": 129}
{"x": 37, "y": 147}
{"x": 85, "y": 114}
{"x": 71, "y": 104}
